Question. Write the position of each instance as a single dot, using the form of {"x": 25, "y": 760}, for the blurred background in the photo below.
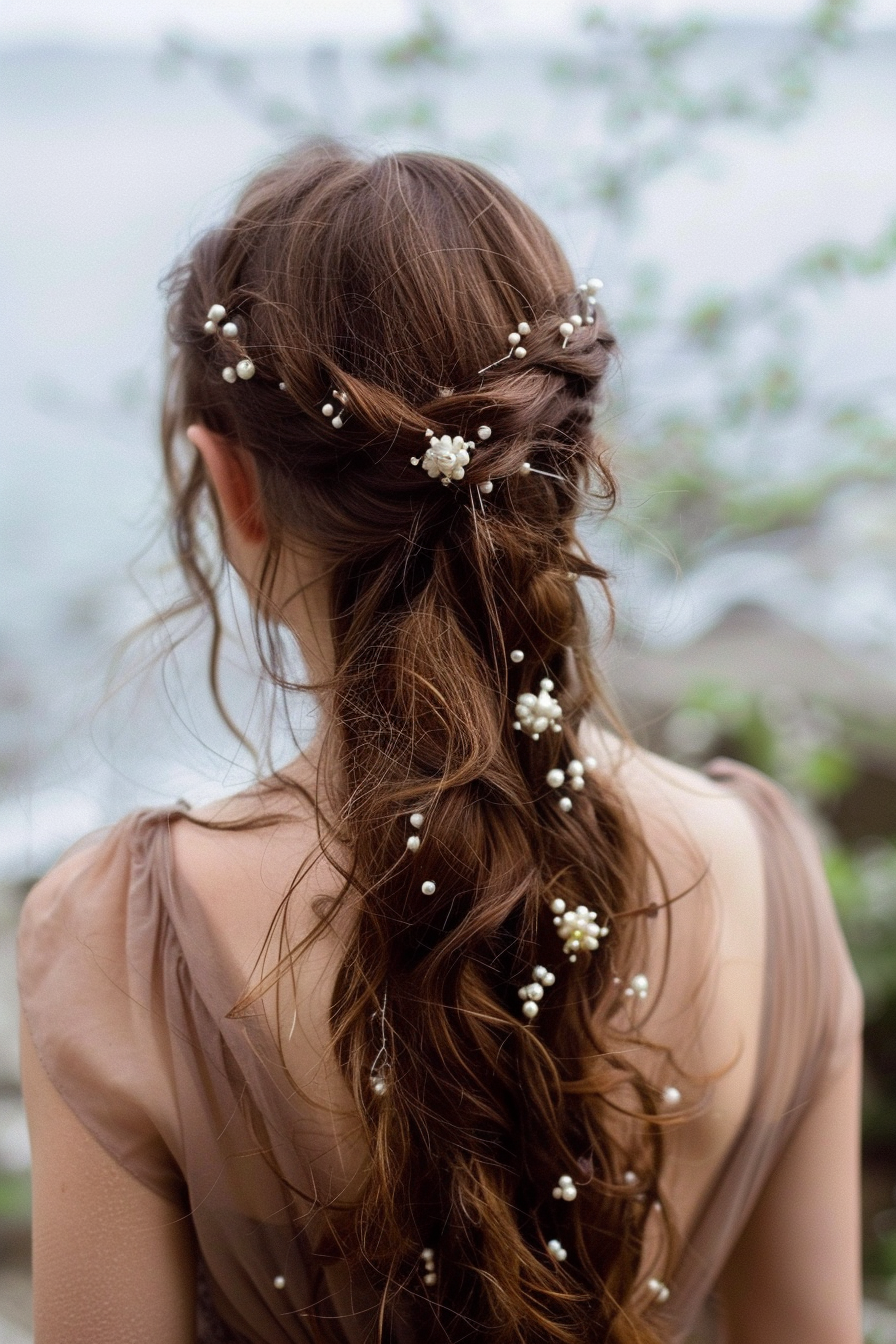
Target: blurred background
{"x": 730, "y": 175}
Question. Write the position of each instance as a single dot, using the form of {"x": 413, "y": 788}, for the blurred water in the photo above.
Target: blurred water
{"x": 111, "y": 169}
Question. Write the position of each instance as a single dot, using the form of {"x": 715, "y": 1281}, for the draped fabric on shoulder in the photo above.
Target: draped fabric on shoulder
{"x": 127, "y": 1002}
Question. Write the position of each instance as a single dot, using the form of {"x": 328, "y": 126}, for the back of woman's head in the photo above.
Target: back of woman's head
{"x": 381, "y": 292}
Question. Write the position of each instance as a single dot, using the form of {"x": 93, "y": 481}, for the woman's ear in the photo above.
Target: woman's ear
{"x": 234, "y": 478}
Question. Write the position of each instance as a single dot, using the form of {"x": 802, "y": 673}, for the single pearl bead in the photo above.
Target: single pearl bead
{"x": 487, "y": 487}
{"x": 514, "y": 338}
{"x": 671, "y": 1096}
{"x": 379, "y": 1088}
{"x": 577, "y": 783}
{"x": 327, "y": 409}
{"x": 576, "y": 320}
{"x": 523, "y": 328}
{"x": 416, "y": 819}
{"x": 430, "y": 1278}
{"x": 594, "y": 286}
{"x": 590, "y": 763}
{"x": 229, "y": 374}
{"x": 484, "y": 432}
{"x": 566, "y": 329}
{"x": 428, "y": 888}
{"x": 530, "y": 1009}
{"x": 555, "y": 778}
{"x": 217, "y": 313}
{"x": 245, "y": 369}
{"x": 525, "y": 468}
{"x": 210, "y": 328}
{"x": 413, "y": 843}
{"x": 279, "y": 1281}
{"x": 630, "y": 1178}
{"x": 575, "y": 768}
{"x": 516, "y": 655}
{"x": 337, "y": 421}
{"x": 520, "y": 352}
{"x": 558, "y": 906}
{"x": 565, "y": 804}
{"x": 230, "y": 329}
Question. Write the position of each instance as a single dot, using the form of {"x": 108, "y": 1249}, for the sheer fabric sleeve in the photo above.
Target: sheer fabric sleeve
{"x": 91, "y": 970}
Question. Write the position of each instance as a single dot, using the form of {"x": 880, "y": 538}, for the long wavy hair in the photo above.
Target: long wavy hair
{"x": 396, "y": 282}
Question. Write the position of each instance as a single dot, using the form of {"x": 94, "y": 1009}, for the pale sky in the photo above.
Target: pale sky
{"x": 130, "y": 21}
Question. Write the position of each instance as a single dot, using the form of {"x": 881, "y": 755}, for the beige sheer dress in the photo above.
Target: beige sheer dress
{"x": 126, "y": 993}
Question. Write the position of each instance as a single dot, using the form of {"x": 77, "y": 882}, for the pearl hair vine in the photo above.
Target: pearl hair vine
{"x": 536, "y": 714}
{"x": 448, "y": 456}
{"x": 329, "y": 410}
{"x": 244, "y": 368}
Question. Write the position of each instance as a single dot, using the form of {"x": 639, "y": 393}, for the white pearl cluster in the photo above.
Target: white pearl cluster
{"x": 575, "y": 775}
{"x": 446, "y": 457}
{"x": 330, "y": 411}
{"x": 533, "y": 993}
{"x": 659, "y": 1290}
{"x": 416, "y": 820}
{"x": 428, "y": 1256}
{"x": 535, "y": 714}
{"x": 580, "y": 929}
{"x": 556, "y": 1250}
{"x": 565, "y": 1189}
{"x": 637, "y": 987}
{"x": 216, "y": 315}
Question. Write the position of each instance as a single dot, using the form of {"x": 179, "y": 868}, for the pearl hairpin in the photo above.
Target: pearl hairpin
{"x": 517, "y": 349}
{"x": 565, "y": 1189}
{"x": 580, "y": 929}
{"x": 659, "y": 1290}
{"x": 216, "y": 315}
{"x": 590, "y": 290}
{"x": 428, "y": 1256}
{"x": 569, "y": 327}
{"x": 556, "y": 1250}
{"x": 535, "y": 714}
{"x": 416, "y": 820}
{"x": 533, "y": 993}
{"x": 329, "y": 410}
{"x": 637, "y": 987}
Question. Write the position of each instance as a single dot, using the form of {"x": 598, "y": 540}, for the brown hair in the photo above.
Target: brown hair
{"x": 396, "y": 281}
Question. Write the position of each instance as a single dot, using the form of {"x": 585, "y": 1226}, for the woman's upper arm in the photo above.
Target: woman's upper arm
{"x": 113, "y": 1260}
{"x": 794, "y": 1276}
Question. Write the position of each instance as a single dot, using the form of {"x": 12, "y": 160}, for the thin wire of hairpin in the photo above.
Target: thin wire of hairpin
{"x": 381, "y": 1060}
{"x": 553, "y": 475}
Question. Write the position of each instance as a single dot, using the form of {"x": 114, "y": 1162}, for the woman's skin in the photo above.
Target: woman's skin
{"x": 114, "y": 1263}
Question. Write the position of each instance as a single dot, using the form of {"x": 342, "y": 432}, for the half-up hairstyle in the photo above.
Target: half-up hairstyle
{"x": 395, "y": 283}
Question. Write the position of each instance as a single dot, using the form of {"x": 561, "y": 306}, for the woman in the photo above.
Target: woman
{"x": 472, "y": 1023}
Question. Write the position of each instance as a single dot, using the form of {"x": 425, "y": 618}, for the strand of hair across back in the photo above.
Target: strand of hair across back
{"x": 579, "y": 928}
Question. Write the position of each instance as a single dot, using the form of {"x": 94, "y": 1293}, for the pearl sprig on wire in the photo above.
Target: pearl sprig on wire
{"x": 329, "y": 410}
{"x": 533, "y": 993}
{"x": 244, "y": 368}
{"x": 536, "y": 714}
{"x": 580, "y": 929}
{"x": 517, "y": 349}
{"x": 565, "y": 1189}
{"x": 428, "y": 1256}
{"x": 569, "y": 327}
{"x": 637, "y": 987}
{"x": 556, "y": 1251}
{"x": 446, "y": 457}
{"x": 575, "y": 774}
